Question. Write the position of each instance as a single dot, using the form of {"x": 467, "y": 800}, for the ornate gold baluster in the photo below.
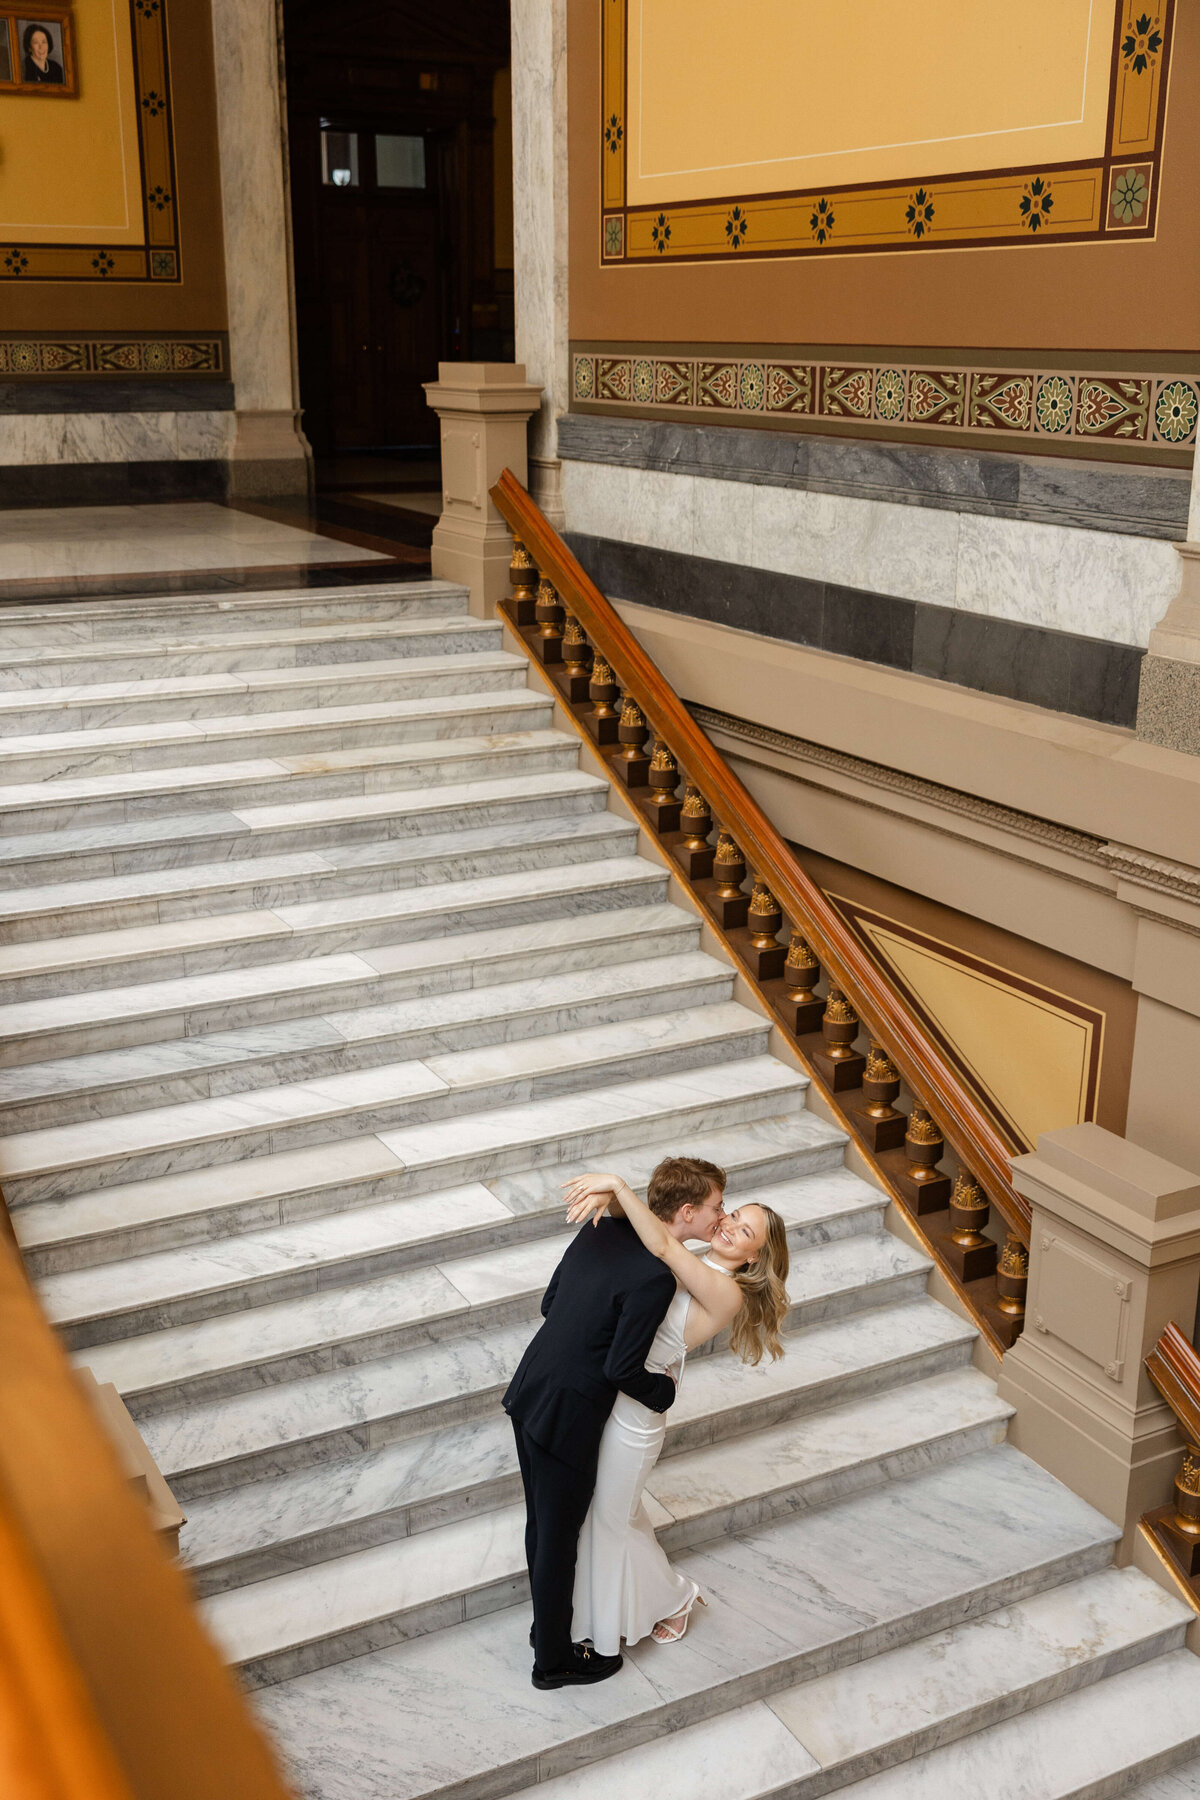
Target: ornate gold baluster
{"x": 970, "y": 1254}
{"x": 695, "y": 853}
{"x": 522, "y": 572}
{"x": 879, "y": 1122}
{"x": 1182, "y": 1527}
{"x": 632, "y": 764}
{"x": 549, "y": 613}
{"x": 604, "y": 692}
{"x": 922, "y": 1184}
{"x": 665, "y": 806}
{"x": 801, "y": 1010}
{"x": 577, "y": 656}
{"x": 727, "y": 901}
{"x": 765, "y": 919}
{"x": 839, "y": 1062}
{"x": 1012, "y": 1282}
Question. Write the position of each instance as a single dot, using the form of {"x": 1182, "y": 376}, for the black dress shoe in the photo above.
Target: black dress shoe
{"x": 584, "y": 1667}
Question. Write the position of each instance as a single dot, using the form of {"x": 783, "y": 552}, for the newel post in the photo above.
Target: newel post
{"x": 484, "y": 410}
{"x": 1114, "y": 1255}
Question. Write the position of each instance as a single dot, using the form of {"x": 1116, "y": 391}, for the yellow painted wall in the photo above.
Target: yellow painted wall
{"x": 780, "y": 94}
{"x": 69, "y": 169}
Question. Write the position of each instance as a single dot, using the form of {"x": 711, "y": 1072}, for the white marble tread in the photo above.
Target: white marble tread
{"x": 350, "y": 922}
{"x": 77, "y": 621}
{"x": 768, "y": 1468}
{"x": 1183, "y": 1783}
{"x": 337, "y": 1325}
{"x": 239, "y": 1124}
{"x": 720, "y": 1396}
{"x": 297, "y": 645}
{"x": 117, "y": 749}
{"x": 187, "y": 1005}
{"x": 233, "y": 1061}
{"x": 157, "y": 894}
{"x": 892, "y": 1707}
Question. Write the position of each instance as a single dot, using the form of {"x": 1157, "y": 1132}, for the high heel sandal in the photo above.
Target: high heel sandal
{"x": 666, "y": 1626}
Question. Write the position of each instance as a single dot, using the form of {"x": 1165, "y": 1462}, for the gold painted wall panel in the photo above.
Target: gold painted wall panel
{"x": 69, "y": 172}
{"x": 866, "y": 92}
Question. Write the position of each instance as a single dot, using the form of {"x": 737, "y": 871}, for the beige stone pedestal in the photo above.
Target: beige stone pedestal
{"x": 484, "y": 409}
{"x": 1114, "y": 1255}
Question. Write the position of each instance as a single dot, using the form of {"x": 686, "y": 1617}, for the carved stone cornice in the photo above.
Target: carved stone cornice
{"x": 1076, "y": 844}
{"x": 1140, "y": 869}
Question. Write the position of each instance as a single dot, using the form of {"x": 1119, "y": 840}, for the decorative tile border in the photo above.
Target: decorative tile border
{"x": 70, "y": 358}
{"x": 1116, "y": 196}
{"x": 1065, "y": 405}
{"x": 157, "y": 258}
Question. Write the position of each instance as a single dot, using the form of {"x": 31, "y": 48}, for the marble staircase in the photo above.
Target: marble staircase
{"x": 324, "y": 959}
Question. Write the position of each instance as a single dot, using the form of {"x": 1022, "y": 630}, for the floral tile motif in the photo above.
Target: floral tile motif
{"x": 1059, "y": 404}
{"x": 614, "y": 234}
{"x": 1129, "y": 197}
{"x": 112, "y": 356}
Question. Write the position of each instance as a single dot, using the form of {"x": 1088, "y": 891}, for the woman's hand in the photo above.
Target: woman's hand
{"x": 588, "y": 1196}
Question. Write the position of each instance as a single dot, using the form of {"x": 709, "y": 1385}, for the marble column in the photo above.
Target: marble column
{"x": 1169, "y": 694}
{"x": 540, "y": 244}
{"x": 1114, "y": 1255}
{"x": 270, "y": 455}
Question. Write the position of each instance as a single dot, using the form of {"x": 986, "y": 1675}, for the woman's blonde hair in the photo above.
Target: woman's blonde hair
{"x": 764, "y": 1295}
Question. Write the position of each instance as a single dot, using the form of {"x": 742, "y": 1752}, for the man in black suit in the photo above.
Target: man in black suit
{"x": 605, "y": 1302}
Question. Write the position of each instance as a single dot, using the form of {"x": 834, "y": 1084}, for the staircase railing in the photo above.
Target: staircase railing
{"x": 109, "y": 1688}
{"x": 938, "y": 1153}
{"x": 1174, "y": 1529}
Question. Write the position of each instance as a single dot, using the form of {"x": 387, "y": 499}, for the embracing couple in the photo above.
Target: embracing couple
{"x": 624, "y": 1307}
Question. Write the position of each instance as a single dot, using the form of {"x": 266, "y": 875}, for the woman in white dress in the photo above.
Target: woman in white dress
{"x": 624, "y": 1585}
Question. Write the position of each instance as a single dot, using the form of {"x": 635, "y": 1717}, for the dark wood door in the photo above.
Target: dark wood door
{"x": 380, "y": 281}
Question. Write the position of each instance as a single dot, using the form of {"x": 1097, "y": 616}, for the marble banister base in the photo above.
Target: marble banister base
{"x": 270, "y": 457}
{"x": 1169, "y": 689}
{"x": 1114, "y": 1255}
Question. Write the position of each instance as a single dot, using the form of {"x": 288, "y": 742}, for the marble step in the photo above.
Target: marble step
{"x": 126, "y": 749}
{"x": 40, "y": 1096}
{"x": 187, "y": 1007}
{"x": 897, "y": 1711}
{"x": 96, "y": 705}
{"x": 820, "y": 1590}
{"x": 156, "y": 896}
{"x": 411, "y": 1484}
{"x": 177, "y": 1287}
{"x": 1183, "y": 1783}
{"x": 338, "y": 1328}
{"x": 254, "y": 831}
{"x": 113, "y": 1223}
{"x": 84, "y": 622}
{"x": 297, "y": 647}
{"x": 291, "y": 1624}
{"x": 459, "y": 1084}
{"x": 87, "y": 802}
{"x": 48, "y": 969}
{"x": 209, "y": 1448}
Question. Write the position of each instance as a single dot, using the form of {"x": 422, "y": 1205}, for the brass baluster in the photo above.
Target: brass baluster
{"x": 632, "y": 764}
{"x": 801, "y": 1009}
{"x": 765, "y": 919}
{"x": 695, "y": 819}
{"x": 970, "y": 1254}
{"x": 604, "y": 692}
{"x": 727, "y": 901}
{"x": 549, "y": 613}
{"x": 839, "y": 1062}
{"x": 922, "y": 1183}
{"x": 665, "y": 806}
{"x": 1012, "y": 1282}
{"x": 1182, "y": 1527}
{"x": 522, "y": 573}
{"x": 577, "y": 656}
{"x": 878, "y": 1121}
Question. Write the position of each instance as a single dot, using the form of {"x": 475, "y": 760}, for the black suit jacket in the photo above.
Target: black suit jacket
{"x": 606, "y": 1300}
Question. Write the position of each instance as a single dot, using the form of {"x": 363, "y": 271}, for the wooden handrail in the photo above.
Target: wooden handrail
{"x": 974, "y": 1137}
{"x": 1174, "y": 1368}
{"x": 1173, "y": 1529}
{"x": 100, "y": 1640}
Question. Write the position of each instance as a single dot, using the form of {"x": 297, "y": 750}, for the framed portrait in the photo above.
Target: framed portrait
{"x": 37, "y": 52}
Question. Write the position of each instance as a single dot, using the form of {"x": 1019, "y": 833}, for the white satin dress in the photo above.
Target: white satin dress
{"x": 624, "y": 1584}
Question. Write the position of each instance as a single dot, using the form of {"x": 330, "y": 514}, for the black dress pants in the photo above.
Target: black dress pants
{"x": 557, "y": 1498}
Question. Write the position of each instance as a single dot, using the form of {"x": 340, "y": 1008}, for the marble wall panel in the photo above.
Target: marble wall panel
{"x": 59, "y": 438}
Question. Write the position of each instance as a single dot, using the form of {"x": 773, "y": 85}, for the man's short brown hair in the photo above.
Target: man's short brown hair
{"x": 681, "y": 1181}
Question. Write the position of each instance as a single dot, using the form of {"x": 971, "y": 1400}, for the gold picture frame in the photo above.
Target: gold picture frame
{"x": 37, "y": 52}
